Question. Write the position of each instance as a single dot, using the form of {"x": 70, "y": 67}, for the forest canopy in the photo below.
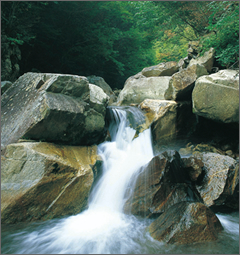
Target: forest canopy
{"x": 115, "y": 39}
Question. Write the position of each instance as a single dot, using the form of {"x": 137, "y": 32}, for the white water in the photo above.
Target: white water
{"x": 104, "y": 228}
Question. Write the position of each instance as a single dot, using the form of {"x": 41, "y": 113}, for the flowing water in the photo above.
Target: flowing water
{"x": 103, "y": 228}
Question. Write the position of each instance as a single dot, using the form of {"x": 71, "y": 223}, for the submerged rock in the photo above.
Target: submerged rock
{"x": 41, "y": 181}
{"x": 53, "y": 107}
{"x": 216, "y": 96}
{"x": 186, "y": 223}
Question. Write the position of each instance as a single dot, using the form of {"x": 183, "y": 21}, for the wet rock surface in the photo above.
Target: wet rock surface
{"x": 163, "y": 183}
{"x": 186, "y": 222}
{"x": 41, "y": 181}
{"x": 220, "y": 181}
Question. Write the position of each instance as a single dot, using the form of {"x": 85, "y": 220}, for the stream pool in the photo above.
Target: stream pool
{"x": 131, "y": 238}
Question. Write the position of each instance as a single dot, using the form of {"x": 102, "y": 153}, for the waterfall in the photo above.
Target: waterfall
{"x": 103, "y": 227}
{"x": 122, "y": 157}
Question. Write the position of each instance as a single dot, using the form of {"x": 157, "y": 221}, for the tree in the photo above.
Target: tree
{"x": 224, "y": 32}
{"x": 89, "y": 37}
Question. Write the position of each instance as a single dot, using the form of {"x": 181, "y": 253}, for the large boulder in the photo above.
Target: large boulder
{"x": 220, "y": 182}
{"x": 186, "y": 223}
{"x": 53, "y": 107}
{"x": 100, "y": 82}
{"x": 182, "y": 83}
{"x": 168, "y": 119}
{"x": 161, "y": 184}
{"x": 206, "y": 60}
{"x": 41, "y": 181}
{"x": 216, "y": 96}
{"x": 136, "y": 90}
{"x": 162, "y": 69}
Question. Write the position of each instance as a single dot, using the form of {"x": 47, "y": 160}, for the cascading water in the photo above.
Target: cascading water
{"x": 103, "y": 227}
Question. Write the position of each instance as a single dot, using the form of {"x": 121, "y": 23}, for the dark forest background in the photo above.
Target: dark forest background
{"x": 112, "y": 39}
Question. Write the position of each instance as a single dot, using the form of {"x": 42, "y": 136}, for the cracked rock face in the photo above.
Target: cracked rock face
{"x": 41, "y": 181}
{"x": 54, "y": 108}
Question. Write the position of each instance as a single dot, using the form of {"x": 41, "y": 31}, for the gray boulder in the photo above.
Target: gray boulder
{"x": 137, "y": 90}
{"x": 206, "y": 60}
{"x": 216, "y": 96}
{"x": 53, "y": 107}
{"x": 100, "y": 82}
{"x": 182, "y": 83}
{"x": 193, "y": 49}
{"x": 162, "y": 69}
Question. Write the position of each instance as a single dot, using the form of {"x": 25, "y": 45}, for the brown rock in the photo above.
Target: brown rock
{"x": 220, "y": 181}
{"x": 160, "y": 185}
{"x": 206, "y": 148}
{"x": 43, "y": 181}
{"x": 193, "y": 166}
{"x": 186, "y": 223}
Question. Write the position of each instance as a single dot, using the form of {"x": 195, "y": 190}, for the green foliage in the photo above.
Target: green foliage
{"x": 185, "y": 13}
{"x": 17, "y": 20}
{"x": 116, "y": 39}
{"x": 224, "y": 36}
{"x": 171, "y": 46}
{"x": 101, "y": 38}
